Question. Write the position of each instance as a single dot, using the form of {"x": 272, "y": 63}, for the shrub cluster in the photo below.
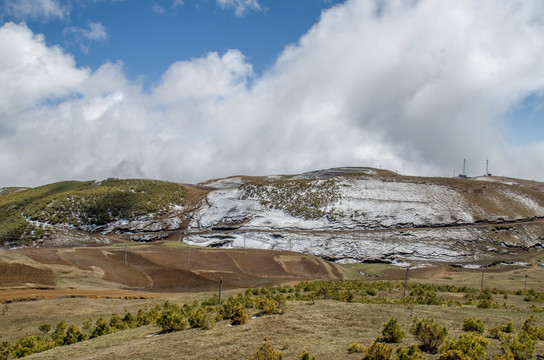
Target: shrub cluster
{"x": 429, "y": 333}
{"x": 473, "y": 324}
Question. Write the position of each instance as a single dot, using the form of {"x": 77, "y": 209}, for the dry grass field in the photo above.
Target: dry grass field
{"x": 45, "y": 286}
{"x": 325, "y": 329}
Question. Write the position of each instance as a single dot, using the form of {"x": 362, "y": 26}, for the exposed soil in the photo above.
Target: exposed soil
{"x": 149, "y": 271}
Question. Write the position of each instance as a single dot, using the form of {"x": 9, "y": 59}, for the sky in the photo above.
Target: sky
{"x": 190, "y": 90}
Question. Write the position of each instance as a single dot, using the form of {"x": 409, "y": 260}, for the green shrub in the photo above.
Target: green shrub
{"x": 500, "y": 330}
{"x": 429, "y": 333}
{"x": 5, "y": 350}
{"x": 117, "y": 323}
{"x": 201, "y": 318}
{"x": 29, "y": 345}
{"x": 488, "y": 304}
{"x": 59, "y": 333}
{"x": 467, "y": 345}
{"x": 239, "y": 316}
{"x": 355, "y": 347}
{"x": 73, "y": 335}
{"x": 519, "y": 347}
{"x": 101, "y": 327}
{"x": 392, "y": 332}
{"x": 473, "y": 324}
{"x": 266, "y": 352}
{"x": 412, "y": 352}
{"x": 378, "y": 351}
{"x": 535, "y": 332}
{"x": 45, "y": 328}
{"x": 305, "y": 355}
{"x": 171, "y": 319}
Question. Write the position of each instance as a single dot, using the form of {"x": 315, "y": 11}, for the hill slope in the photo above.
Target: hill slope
{"x": 343, "y": 214}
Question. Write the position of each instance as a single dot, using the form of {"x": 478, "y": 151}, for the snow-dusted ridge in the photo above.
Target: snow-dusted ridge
{"x": 355, "y": 215}
{"x": 363, "y": 218}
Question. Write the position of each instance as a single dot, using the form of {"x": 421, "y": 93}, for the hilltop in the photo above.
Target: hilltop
{"x": 341, "y": 214}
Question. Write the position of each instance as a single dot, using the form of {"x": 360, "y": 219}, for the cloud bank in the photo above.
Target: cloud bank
{"x": 410, "y": 86}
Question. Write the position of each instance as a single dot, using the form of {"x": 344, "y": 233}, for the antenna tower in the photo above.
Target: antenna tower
{"x": 464, "y": 175}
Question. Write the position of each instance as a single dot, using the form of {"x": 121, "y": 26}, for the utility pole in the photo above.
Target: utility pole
{"x": 125, "y": 252}
{"x": 220, "y": 289}
{"x": 482, "y": 285}
{"x": 187, "y": 253}
{"x": 526, "y": 282}
{"x": 405, "y": 281}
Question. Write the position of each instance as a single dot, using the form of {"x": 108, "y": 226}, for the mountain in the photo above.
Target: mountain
{"x": 341, "y": 214}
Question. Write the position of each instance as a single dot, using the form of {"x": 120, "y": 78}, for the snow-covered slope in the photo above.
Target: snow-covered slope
{"x": 370, "y": 217}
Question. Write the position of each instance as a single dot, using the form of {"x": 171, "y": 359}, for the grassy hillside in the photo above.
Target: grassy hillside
{"x": 323, "y": 318}
{"x": 24, "y": 215}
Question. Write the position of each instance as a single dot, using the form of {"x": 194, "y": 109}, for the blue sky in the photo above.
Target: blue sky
{"x": 148, "y": 36}
{"x": 188, "y": 90}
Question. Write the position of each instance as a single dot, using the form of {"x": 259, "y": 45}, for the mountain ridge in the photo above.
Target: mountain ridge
{"x": 348, "y": 214}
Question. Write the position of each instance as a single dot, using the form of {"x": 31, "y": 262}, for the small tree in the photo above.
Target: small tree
{"x": 392, "y": 332}
{"x": 429, "y": 333}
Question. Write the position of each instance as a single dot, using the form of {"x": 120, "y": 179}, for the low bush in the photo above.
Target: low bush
{"x": 473, "y": 324}
{"x": 239, "y": 316}
{"x": 488, "y": 304}
{"x": 518, "y": 347}
{"x": 378, "y": 351}
{"x": 74, "y": 335}
{"x": 5, "y": 350}
{"x": 392, "y": 332}
{"x": 29, "y": 345}
{"x": 500, "y": 330}
{"x": 429, "y": 333}
{"x": 470, "y": 345}
{"x": 529, "y": 326}
{"x": 305, "y": 355}
{"x": 101, "y": 327}
{"x": 171, "y": 319}
{"x": 356, "y": 348}
{"x": 412, "y": 352}
{"x": 266, "y": 352}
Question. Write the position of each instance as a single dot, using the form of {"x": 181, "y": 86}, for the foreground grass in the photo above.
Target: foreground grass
{"x": 323, "y": 327}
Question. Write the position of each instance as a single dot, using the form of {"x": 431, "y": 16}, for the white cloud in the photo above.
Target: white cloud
{"x": 34, "y": 9}
{"x": 31, "y": 72}
{"x": 412, "y": 86}
{"x": 94, "y": 32}
{"x": 157, "y": 8}
{"x": 241, "y": 7}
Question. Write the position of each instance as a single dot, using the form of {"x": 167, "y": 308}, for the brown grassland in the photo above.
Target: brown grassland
{"x": 79, "y": 291}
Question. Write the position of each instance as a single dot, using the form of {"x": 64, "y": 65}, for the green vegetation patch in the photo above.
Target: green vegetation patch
{"x": 83, "y": 205}
{"x": 308, "y": 199}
